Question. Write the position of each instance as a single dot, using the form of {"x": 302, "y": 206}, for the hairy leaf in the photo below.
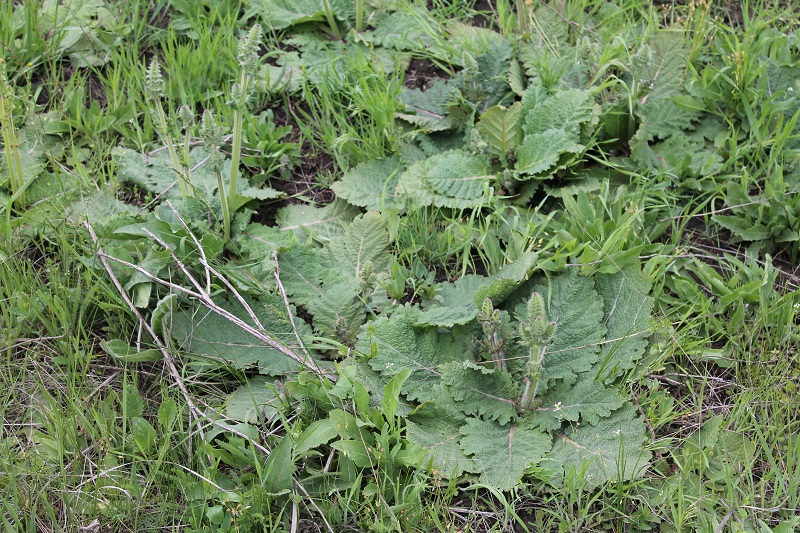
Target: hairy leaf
{"x": 201, "y": 332}
{"x": 540, "y": 153}
{"x": 577, "y": 310}
{"x": 481, "y": 390}
{"x": 454, "y": 179}
{"x": 428, "y": 109}
{"x": 257, "y": 244}
{"x": 502, "y": 453}
{"x": 395, "y": 343}
{"x": 257, "y": 401}
{"x": 500, "y": 127}
{"x": 586, "y": 401}
{"x": 372, "y": 185}
{"x": 339, "y": 312}
{"x": 320, "y": 223}
{"x": 365, "y": 240}
{"x": 436, "y": 427}
{"x": 565, "y": 110}
{"x": 501, "y": 285}
{"x": 281, "y": 14}
{"x": 627, "y": 308}
{"x": 303, "y": 273}
{"x": 454, "y": 302}
{"x": 610, "y": 450}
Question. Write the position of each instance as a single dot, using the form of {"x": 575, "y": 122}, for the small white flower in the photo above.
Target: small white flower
{"x": 558, "y": 406}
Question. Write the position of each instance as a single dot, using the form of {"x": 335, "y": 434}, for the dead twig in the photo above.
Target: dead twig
{"x": 169, "y": 361}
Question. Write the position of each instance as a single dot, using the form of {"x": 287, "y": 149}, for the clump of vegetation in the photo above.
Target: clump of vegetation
{"x": 409, "y": 273}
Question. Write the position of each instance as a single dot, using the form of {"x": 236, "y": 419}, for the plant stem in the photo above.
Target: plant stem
{"x": 236, "y": 149}
{"x": 226, "y": 212}
{"x": 326, "y": 5}
{"x": 10, "y": 139}
{"x": 359, "y": 15}
{"x": 11, "y": 143}
{"x": 532, "y": 376}
{"x": 522, "y": 17}
{"x": 176, "y": 162}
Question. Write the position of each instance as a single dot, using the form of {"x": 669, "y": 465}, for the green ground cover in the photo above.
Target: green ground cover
{"x": 317, "y": 265}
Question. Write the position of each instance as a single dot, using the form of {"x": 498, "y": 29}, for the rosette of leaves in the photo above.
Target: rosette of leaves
{"x": 335, "y": 283}
{"x": 574, "y": 335}
{"x": 673, "y": 135}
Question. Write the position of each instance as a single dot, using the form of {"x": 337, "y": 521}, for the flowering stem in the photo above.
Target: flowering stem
{"x": 359, "y": 16}
{"x": 326, "y": 5}
{"x": 236, "y": 149}
{"x": 532, "y": 376}
{"x": 176, "y": 162}
{"x": 10, "y": 140}
{"x": 522, "y": 16}
{"x": 226, "y": 212}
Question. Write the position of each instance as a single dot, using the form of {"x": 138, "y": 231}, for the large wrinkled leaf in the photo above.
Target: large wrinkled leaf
{"x": 205, "y": 334}
{"x": 258, "y": 244}
{"x": 565, "y": 110}
{"x": 627, "y": 307}
{"x": 303, "y": 274}
{"x": 454, "y": 179}
{"x": 481, "y": 390}
{"x": 281, "y": 14}
{"x": 611, "y": 450}
{"x": 371, "y": 185}
{"x": 436, "y": 427}
{"x": 502, "y": 453}
{"x": 365, "y": 241}
{"x": 576, "y": 308}
{"x": 319, "y": 223}
{"x": 500, "y": 127}
{"x": 397, "y": 344}
{"x": 257, "y": 401}
{"x": 428, "y": 109}
{"x": 502, "y": 284}
{"x": 540, "y": 153}
{"x": 454, "y": 302}
{"x": 586, "y": 400}
{"x": 339, "y": 312}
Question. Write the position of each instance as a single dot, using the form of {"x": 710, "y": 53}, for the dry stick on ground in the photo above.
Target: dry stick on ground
{"x": 205, "y": 298}
{"x": 168, "y": 360}
{"x": 204, "y": 295}
{"x": 198, "y": 414}
{"x": 286, "y": 303}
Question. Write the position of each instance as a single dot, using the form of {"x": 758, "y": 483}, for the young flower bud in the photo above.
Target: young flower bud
{"x": 536, "y": 308}
{"x": 248, "y": 49}
{"x": 155, "y": 88}
{"x": 186, "y": 117}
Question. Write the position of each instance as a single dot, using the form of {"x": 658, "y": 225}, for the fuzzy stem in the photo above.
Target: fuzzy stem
{"x": 187, "y": 163}
{"x": 326, "y": 5}
{"x": 522, "y": 17}
{"x": 359, "y": 16}
{"x": 226, "y": 211}
{"x": 236, "y": 149}
{"x": 176, "y": 162}
{"x": 12, "y": 158}
{"x": 11, "y": 143}
{"x": 532, "y": 375}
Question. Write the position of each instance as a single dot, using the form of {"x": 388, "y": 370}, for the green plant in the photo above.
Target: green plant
{"x": 212, "y": 135}
{"x": 10, "y": 140}
{"x": 241, "y": 93}
{"x": 156, "y": 91}
{"x": 351, "y": 110}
